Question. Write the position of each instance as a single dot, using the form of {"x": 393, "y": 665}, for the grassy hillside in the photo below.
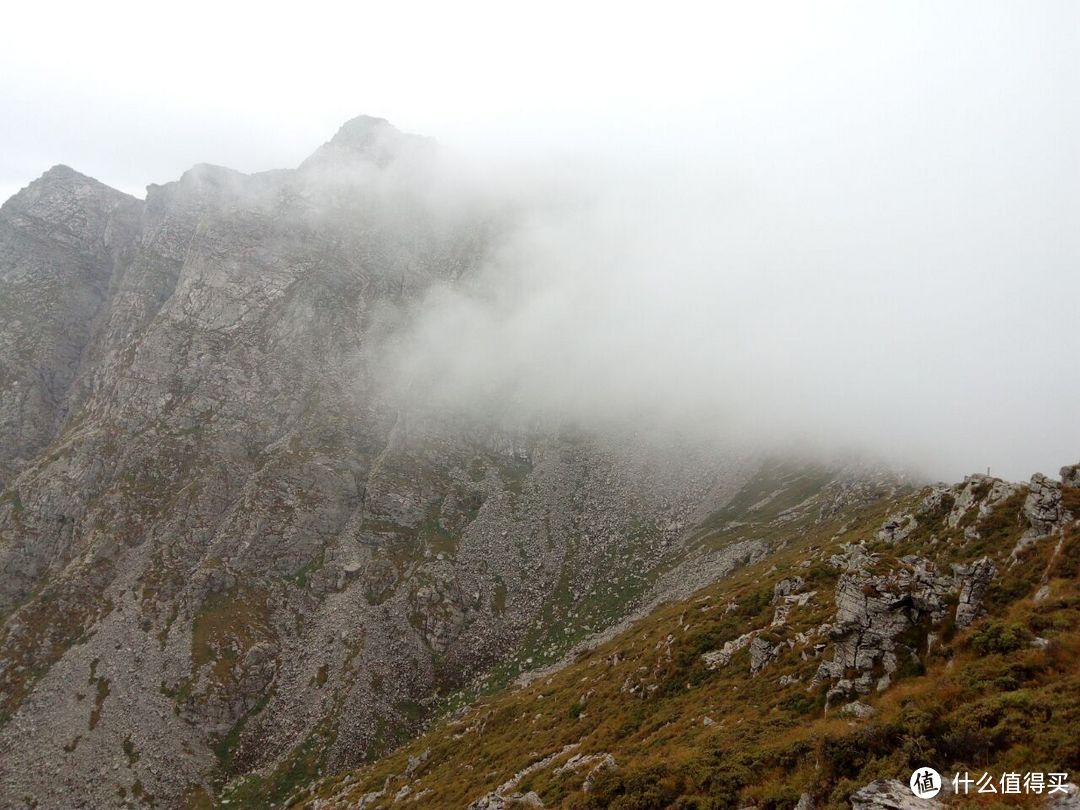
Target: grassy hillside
{"x": 653, "y": 725}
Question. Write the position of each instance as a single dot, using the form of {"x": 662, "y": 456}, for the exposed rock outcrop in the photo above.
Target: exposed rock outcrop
{"x": 513, "y": 801}
{"x": 858, "y": 709}
{"x": 787, "y": 587}
{"x": 874, "y": 612}
{"x": 1042, "y": 507}
{"x": 974, "y": 582}
{"x": 889, "y": 794}
{"x": 1070, "y": 476}
{"x": 715, "y": 659}
{"x": 762, "y": 653}
{"x": 982, "y": 493}
{"x": 506, "y": 794}
{"x": 897, "y": 528}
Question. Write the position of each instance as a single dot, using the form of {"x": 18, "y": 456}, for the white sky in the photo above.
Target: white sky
{"x": 911, "y": 169}
{"x": 136, "y": 92}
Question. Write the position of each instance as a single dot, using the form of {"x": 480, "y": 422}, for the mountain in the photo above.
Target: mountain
{"x": 231, "y": 549}
{"x": 244, "y": 560}
{"x": 940, "y": 628}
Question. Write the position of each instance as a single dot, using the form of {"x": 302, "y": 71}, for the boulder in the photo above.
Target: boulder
{"x": 858, "y": 709}
{"x": 762, "y": 653}
{"x": 890, "y": 794}
{"x": 787, "y": 587}
{"x": 897, "y": 528}
{"x": 873, "y": 611}
{"x": 415, "y": 762}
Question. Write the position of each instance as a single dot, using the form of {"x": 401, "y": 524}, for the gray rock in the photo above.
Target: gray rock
{"x": 858, "y": 709}
{"x": 897, "y": 528}
{"x": 496, "y": 801}
{"x": 714, "y": 659}
{"x": 1070, "y": 800}
{"x": 582, "y": 761}
{"x": 873, "y": 611}
{"x": 787, "y": 587}
{"x": 974, "y": 581}
{"x": 762, "y": 653}
{"x": 606, "y": 763}
{"x": 1042, "y": 507}
{"x": 1070, "y": 475}
{"x": 889, "y": 794}
{"x": 981, "y": 492}
{"x": 416, "y": 762}
{"x": 934, "y": 500}
{"x": 62, "y": 241}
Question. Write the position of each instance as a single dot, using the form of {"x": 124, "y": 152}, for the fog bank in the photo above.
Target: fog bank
{"x": 829, "y": 224}
{"x": 921, "y": 314}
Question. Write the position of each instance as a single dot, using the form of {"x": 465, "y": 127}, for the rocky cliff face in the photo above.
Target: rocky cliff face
{"x": 228, "y": 554}
{"x": 62, "y": 240}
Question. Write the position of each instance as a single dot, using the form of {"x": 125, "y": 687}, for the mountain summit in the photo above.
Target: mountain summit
{"x": 368, "y": 139}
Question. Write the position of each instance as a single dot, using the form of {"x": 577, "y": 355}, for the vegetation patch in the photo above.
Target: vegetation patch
{"x": 228, "y": 624}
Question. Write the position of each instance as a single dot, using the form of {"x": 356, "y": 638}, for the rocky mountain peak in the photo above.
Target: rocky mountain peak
{"x": 61, "y": 190}
{"x": 361, "y": 131}
{"x": 63, "y": 172}
{"x": 366, "y": 139}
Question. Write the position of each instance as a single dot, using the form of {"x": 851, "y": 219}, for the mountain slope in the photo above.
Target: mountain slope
{"x": 940, "y": 627}
{"x": 228, "y": 548}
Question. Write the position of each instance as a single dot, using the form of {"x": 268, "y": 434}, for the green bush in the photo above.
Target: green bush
{"x": 1000, "y": 637}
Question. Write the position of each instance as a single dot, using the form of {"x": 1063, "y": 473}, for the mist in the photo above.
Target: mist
{"x": 891, "y": 278}
{"x": 923, "y": 324}
{"x": 838, "y": 227}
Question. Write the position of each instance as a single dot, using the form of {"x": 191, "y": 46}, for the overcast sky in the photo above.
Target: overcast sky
{"x": 135, "y": 92}
{"x": 891, "y": 191}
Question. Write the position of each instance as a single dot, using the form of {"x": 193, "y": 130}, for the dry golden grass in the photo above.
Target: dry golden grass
{"x": 985, "y": 703}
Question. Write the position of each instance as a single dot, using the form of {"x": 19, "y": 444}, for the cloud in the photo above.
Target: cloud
{"x": 922, "y": 318}
{"x": 839, "y": 224}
